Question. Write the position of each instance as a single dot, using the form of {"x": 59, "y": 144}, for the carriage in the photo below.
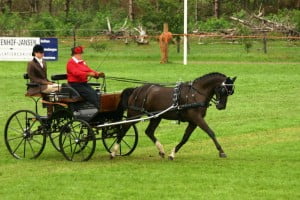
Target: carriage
{"x": 73, "y": 128}
{"x": 70, "y": 124}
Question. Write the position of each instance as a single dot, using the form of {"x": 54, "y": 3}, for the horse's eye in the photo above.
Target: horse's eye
{"x": 223, "y": 90}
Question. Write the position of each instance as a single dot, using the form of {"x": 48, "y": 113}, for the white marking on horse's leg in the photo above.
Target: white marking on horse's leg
{"x": 172, "y": 154}
{"x": 160, "y": 148}
{"x": 114, "y": 150}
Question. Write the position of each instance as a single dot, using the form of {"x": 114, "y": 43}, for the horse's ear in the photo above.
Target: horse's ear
{"x": 233, "y": 79}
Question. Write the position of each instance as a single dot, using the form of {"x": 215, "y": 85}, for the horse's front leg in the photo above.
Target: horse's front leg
{"x": 188, "y": 131}
{"x": 203, "y": 125}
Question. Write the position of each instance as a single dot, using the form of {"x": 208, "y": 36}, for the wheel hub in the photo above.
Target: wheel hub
{"x": 26, "y": 134}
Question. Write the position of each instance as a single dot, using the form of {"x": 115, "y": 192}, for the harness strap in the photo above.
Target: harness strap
{"x": 176, "y": 99}
{"x": 142, "y": 110}
{"x": 176, "y": 94}
{"x": 192, "y": 105}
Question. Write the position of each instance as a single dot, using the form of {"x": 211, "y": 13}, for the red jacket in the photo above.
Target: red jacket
{"x": 77, "y": 72}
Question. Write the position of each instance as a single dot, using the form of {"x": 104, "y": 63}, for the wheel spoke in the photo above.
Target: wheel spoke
{"x": 64, "y": 140}
{"x": 55, "y": 136}
{"x": 18, "y": 146}
{"x": 70, "y": 144}
{"x": 31, "y": 148}
{"x": 129, "y": 135}
{"x": 112, "y": 144}
{"x": 15, "y": 138}
{"x": 36, "y": 141}
{"x": 72, "y": 156}
{"x": 82, "y": 151}
{"x": 74, "y": 131}
{"x": 33, "y": 123}
{"x": 19, "y": 123}
{"x": 24, "y": 149}
{"x": 21, "y": 132}
{"x": 126, "y": 143}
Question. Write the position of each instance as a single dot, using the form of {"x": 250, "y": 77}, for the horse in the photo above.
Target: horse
{"x": 189, "y": 102}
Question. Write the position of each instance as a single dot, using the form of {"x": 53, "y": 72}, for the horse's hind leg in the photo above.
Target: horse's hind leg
{"x": 150, "y": 133}
{"x": 203, "y": 125}
{"x": 188, "y": 131}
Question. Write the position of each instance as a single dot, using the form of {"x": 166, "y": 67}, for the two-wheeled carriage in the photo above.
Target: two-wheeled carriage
{"x": 71, "y": 124}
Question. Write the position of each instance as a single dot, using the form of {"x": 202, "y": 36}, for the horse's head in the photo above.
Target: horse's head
{"x": 223, "y": 91}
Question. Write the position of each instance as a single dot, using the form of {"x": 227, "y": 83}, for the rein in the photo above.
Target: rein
{"x": 213, "y": 99}
{"x": 130, "y": 80}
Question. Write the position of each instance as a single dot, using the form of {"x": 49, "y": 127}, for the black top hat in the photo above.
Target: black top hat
{"x": 37, "y": 49}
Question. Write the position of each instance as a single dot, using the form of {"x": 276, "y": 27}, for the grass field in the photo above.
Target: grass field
{"x": 259, "y": 130}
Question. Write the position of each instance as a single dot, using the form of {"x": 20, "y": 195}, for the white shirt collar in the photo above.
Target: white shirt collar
{"x": 39, "y": 60}
{"x": 76, "y": 60}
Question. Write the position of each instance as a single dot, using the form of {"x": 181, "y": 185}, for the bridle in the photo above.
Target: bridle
{"x": 223, "y": 90}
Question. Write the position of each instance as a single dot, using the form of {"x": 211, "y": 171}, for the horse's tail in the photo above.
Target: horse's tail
{"x": 125, "y": 97}
{"x": 123, "y": 104}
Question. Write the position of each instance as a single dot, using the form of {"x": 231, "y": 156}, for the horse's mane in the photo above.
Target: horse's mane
{"x": 209, "y": 75}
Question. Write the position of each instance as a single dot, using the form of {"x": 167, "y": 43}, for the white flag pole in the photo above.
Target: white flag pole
{"x": 185, "y": 33}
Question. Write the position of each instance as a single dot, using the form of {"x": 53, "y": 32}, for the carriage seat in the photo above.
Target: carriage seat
{"x": 59, "y": 77}
{"x": 29, "y": 85}
{"x": 68, "y": 94}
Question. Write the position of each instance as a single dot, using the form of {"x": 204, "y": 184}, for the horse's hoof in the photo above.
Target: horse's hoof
{"x": 161, "y": 154}
{"x": 111, "y": 156}
{"x": 171, "y": 158}
{"x": 223, "y": 155}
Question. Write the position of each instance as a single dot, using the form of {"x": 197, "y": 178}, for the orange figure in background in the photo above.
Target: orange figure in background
{"x": 164, "y": 40}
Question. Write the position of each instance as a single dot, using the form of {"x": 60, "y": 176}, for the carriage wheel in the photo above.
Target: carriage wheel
{"x": 128, "y": 143}
{"x": 24, "y": 135}
{"x": 77, "y": 140}
{"x": 58, "y": 119}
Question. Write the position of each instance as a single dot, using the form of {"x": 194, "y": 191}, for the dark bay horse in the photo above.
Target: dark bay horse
{"x": 189, "y": 102}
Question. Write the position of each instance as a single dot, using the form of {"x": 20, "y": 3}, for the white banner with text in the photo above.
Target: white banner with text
{"x": 20, "y": 48}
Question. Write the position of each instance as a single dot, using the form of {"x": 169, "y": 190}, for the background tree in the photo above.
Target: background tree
{"x": 5, "y": 4}
{"x": 217, "y": 8}
{"x": 130, "y": 10}
{"x": 67, "y": 7}
{"x": 34, "y": 5}
{"x": 50, "y": 3}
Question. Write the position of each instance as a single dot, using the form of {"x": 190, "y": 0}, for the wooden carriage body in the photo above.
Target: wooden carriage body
{"x": 109, "y": 101}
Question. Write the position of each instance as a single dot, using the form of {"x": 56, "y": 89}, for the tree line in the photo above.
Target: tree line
{"x": 59, "y": 17}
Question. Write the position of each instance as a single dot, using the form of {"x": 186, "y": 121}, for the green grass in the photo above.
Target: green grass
{"x": 259, "y": 130}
